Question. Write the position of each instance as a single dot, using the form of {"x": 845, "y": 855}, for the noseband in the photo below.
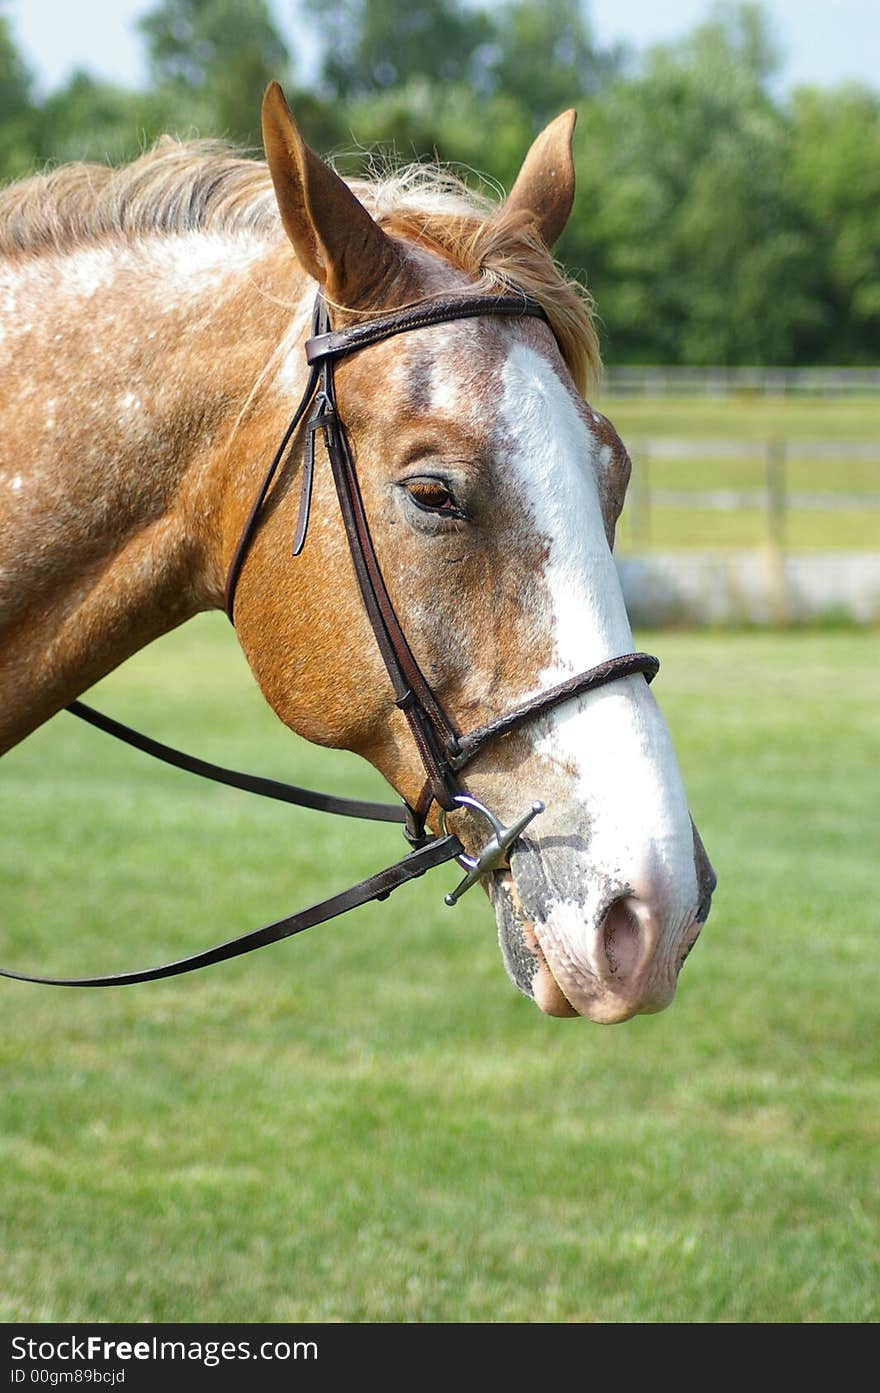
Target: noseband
{"x": 445, "y": 751}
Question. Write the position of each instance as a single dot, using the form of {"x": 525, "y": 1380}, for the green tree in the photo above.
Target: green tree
{"x": 372, "y": 46}
{"x": 538, "y": 54}
{"x": 479, "y": 135}
{"x": 89, "y": 119}
{"x": 215, "y": 57}
{"x": 693, "y": 248}
{"x": 17, "y": 114}
{"x": 834, "y": 177}
{"x": 543, "y": 54}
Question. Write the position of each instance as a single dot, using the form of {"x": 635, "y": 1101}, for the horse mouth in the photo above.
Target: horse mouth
{"x": 521, "y": 950}
{"x": 612, "y": 984}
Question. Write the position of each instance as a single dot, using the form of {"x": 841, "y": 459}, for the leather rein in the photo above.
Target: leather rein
{"x": 444, "y": 750}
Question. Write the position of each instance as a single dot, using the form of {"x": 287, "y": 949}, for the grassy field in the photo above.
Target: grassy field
{"x": 750, "y": 418}
{"x": 368, "y": 1123}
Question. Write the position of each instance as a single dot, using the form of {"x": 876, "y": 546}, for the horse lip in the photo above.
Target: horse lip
{"x": 521, "y": 950}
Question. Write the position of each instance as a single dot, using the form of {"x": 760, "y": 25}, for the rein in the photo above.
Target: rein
{"x": 444, "y": 750}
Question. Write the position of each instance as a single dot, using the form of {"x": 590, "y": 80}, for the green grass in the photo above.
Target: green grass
{"x": 749, "y": 418}
{"x": 368, "y": 1123}
{"x": 676, "y": 528}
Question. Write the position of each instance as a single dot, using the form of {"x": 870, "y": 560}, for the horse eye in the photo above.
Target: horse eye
{"x": 434, "y": 496}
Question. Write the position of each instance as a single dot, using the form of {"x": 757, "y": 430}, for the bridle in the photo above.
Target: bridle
{"x": 444, "y": 750}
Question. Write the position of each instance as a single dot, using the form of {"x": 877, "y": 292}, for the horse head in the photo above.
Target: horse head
{"x": 492, "y": 491}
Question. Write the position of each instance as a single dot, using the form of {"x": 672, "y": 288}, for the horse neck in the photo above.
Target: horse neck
{"x": 125, "y": 375}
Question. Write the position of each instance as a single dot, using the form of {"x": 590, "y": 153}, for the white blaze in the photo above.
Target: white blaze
{"x": 614, "y": 739}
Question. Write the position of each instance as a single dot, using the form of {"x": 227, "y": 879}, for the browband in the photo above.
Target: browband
{"x": 338, "y": 342}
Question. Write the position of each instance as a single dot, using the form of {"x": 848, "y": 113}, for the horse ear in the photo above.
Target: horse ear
{"x": 544, "y": 188}
{"x": 336, "y": 240}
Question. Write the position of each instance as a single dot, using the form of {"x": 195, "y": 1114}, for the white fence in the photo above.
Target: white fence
{"x": 726, "y": 382}
{"x": 776, "y": 499}
{"x": 768, "y": 583}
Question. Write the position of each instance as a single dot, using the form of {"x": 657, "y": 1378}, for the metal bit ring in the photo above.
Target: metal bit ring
{"x": 494, "y": 853}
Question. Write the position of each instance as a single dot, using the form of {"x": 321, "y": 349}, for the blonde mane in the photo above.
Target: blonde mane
{"x": 180, "y": 187}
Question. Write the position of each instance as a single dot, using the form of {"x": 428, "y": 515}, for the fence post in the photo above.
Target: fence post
{"x": 776, "y": 493}
{"x": 641, "y": 480}
{"x": 776, "y": 528}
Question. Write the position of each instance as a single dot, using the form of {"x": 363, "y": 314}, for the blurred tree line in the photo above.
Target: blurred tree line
{"x": 715, "y": 222}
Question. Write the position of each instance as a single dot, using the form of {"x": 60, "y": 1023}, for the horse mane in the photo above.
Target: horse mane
{"x": 181, "y": 187}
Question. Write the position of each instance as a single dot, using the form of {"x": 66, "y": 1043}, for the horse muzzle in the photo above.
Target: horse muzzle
{"x": 580, "y": 941}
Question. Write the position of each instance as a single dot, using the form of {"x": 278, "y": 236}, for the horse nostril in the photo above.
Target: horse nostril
{"x": 621, "y": 938}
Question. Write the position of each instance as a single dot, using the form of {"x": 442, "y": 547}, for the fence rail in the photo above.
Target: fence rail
{"x": 673, "y": 447}
{"x": 774, "y": 496}
{"x": 781, "y": 560}
{"x": 725, "y": 382}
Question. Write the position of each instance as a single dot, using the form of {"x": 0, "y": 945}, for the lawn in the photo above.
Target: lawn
{"x": 368, "y": 1123}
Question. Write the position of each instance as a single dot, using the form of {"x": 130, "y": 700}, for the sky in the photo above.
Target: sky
{"x": 823, "y": 41}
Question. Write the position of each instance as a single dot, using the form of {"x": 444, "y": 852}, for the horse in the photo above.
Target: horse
{"x": 152, "y": 324}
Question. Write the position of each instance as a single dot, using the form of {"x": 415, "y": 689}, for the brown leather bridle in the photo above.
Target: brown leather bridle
{"x": 444, "y": 750}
